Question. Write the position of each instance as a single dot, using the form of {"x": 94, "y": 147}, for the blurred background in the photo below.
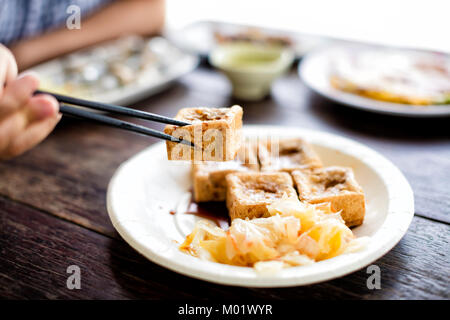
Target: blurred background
{"x": 126, "y": 70}
{"x": 414, "y": 23}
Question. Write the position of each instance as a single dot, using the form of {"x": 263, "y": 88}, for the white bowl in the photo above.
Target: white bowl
{"x": 147, "y": 187}
{"x": 251, "y": 68}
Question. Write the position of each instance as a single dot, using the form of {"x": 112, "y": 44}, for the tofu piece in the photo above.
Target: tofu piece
{"x": 336, "y": 185}
{"x": 249, "y": 193}
{"x": 209, "y": 176}
{"x": 287, "y": 155}
{"x": 217, "y": 133}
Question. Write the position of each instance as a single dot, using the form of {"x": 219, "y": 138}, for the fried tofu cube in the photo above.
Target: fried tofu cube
{"x": 335, "y": 185}
{"x": 209, "y": 176}
{"x": 287, "y": 154}
{"x": 216, "y": 133}
{"x": 249, "y": 193}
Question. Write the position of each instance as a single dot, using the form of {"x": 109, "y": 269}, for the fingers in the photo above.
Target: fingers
{"x": 27, "y": 127}
{"x": 10, "y": 128}
{"x": 11, "y": 70}
{"x": 31, "y": 136}
{"x": 25, "y": 120}
{"x": 8, "y": 67}
{"x": 17, "y": 93}
{"x": 41, "y": 106}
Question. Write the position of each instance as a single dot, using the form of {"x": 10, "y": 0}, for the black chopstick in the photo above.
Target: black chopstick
{"x": 76, "y": 112}
{"x": 114, "y": 109}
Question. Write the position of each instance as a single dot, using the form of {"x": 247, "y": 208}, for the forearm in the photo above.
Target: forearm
{"x": 141, "y": 17}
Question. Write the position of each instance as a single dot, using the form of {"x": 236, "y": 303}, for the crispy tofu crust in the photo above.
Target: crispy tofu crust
{"x": 217, "y": 133}
{"x": 209, "y": 177}
{"x": 335, "y": 185}
{"x": 287, "y": 155}
{"x": 249, "y": 193}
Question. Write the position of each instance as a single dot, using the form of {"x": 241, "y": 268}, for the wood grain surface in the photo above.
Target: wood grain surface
{"x": 53, "y": 212}
{"x": 36, "y": 250}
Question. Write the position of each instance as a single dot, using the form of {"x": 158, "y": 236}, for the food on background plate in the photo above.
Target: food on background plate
{"x": 334, "y": 185}
{"x": 294, "y": 234}
{"x": 400, "y": 76}
{"x": 109, "y": 67}
{"x": 209, "y": 176}
{"x": 287, "y": 155}
{"x": 216, "y": 133}
{"x": 249, "y": 193}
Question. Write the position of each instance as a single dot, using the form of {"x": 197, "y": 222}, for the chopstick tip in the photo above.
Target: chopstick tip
{"x": 185, "y": 142}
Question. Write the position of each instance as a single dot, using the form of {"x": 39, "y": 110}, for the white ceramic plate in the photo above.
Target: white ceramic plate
{"x": 315, "y": 69}
{"x": 147, "y": 187}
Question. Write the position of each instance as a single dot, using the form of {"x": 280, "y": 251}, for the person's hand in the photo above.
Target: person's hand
{"x": 25, "y": 120}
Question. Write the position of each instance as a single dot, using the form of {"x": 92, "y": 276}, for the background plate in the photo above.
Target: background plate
{"x": 138, "y": 89}
{"x": 314, "y": 70}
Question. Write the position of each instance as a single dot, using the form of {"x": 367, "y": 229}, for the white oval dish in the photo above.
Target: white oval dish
{"x": 147, "y": 187}
{"x": 314, "y": 70}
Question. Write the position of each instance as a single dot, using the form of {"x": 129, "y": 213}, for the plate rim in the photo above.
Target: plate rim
{"x": 359, "y": 102}
{"x": 194, "y": 270}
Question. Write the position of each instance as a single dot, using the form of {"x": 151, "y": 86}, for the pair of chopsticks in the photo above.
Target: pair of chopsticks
{"x": 113, "y": 122}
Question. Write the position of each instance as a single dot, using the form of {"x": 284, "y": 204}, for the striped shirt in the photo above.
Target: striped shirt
{"x": 20, "y": 19}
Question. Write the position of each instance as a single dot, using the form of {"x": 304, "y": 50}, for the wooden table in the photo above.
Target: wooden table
{"x": 53, "y": 212}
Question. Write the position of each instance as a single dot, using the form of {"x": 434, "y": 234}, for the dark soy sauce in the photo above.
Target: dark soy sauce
{"x": 214, "y": 211}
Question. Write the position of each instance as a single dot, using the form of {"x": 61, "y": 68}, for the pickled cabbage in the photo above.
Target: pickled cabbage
{"x": 295, "y": 234}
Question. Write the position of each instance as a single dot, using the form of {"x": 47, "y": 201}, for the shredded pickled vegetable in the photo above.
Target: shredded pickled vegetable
{"x": 296, "y": 234}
